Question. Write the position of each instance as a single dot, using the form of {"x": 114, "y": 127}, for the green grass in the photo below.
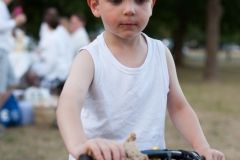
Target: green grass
{"x": 217, "y": 104}
{"x": 31, "y": 142}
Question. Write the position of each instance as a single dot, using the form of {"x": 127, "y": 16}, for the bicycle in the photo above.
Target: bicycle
{"x": 163, "y": 155}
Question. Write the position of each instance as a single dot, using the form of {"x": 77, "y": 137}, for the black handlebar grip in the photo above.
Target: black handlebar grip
{"x": 151, "y": 154}
{"x": 162, "y": 154}
{"x": 85, "y": 157}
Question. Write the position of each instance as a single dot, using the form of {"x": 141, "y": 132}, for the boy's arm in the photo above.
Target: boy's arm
{"x": 72, "y": 99}
{"x": 184, "y": 118}
{"x": 69, "y": 110}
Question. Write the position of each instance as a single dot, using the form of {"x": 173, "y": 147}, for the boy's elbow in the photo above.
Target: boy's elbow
{"x": 58, "y": 110}
{"x": 60, "y": 105}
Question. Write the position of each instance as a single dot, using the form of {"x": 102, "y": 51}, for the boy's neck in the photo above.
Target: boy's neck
{"x": 123, "y": 43}
{"x": 129, "y": 52}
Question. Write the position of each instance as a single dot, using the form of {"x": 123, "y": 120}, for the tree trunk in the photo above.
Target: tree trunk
{"x": 214, "y": 14}
{"x": 179, "y": 36}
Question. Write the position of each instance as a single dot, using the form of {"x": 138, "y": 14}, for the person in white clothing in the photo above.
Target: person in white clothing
{"x": 79, "y": 34}
{"x": 53, "y": 61}
{"x": 123, "y": 82}
{"x": 7, "y": 78}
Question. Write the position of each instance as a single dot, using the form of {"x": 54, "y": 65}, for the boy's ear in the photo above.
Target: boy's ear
{"x": 153, "y": 3}
{"x": 93, "y": 4}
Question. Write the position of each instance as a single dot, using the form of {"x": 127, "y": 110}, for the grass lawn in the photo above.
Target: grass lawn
{"x": 217, "y": 104}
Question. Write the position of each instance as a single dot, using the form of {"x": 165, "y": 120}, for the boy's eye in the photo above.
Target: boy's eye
{"x": 116, "y": 1}
{"x": 140, "y": 1}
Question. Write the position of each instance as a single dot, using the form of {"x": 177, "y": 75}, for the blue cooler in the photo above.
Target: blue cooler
{"x": 10, "y": 113}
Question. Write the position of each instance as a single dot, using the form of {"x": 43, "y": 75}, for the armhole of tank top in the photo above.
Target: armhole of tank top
{"x": 97, "y": 70}
{"x": 165, "y": 65}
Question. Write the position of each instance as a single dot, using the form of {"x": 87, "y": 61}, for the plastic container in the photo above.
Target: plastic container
{"x": 27, "y": 112}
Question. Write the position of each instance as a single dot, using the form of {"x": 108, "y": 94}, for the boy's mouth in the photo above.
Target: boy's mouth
{"x": 127, "y": 25}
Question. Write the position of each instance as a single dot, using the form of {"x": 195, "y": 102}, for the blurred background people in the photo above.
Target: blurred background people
{"x": 7, "y": 78}
{"x": 79, "y": 34}
{"x": 64, "y": 21}
{"x": 52, "y": 63}
{"x": 22, "y": 42}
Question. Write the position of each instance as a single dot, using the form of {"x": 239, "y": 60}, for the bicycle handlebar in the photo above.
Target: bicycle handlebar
{"x": 163, "y": 154}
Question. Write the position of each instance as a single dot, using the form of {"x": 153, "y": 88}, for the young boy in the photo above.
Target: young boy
{"x": 121, "y": 83}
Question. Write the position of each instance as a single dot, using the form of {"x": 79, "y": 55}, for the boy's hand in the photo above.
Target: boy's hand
{"x": 211, "y": 154}
{"x": 103, "y": 149}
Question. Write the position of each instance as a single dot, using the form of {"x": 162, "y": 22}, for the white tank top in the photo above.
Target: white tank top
{"x": 122, "y": 100}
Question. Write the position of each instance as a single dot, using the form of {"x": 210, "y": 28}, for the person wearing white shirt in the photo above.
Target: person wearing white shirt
{"x": 55, "y": 56}
{"x": 79, "y": 35}
{"x": 44, "y": 31}
{"x": 7, "y": 77}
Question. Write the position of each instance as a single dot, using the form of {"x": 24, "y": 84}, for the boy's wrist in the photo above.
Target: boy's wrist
{"x": 76, "y": 150}
{"x": 200, "y": 148}
{"x": 200, "y": 144}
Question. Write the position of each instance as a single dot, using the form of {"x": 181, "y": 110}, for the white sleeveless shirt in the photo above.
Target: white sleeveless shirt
{"x": 122, "y": 100}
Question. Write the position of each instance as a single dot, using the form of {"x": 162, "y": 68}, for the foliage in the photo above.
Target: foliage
{"x": 231, "y": 21}
{"x": 162, "y": 24}
{"x": 35, "y": 9}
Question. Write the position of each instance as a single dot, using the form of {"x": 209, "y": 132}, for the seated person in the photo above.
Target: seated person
{"x": 79, "y": 34}
{"x": 52, "y": 63}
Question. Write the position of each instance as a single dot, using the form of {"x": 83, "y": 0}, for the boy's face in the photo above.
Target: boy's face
{"x": 125, "y": 18}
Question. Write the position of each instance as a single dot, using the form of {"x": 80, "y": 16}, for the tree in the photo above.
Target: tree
{"x": 230, "y": 31}
{"x": 188, "y": 14}
{"x": 180, "y": 31}
{"x": 214, "y": 14}
{"x": 176, "y": 18}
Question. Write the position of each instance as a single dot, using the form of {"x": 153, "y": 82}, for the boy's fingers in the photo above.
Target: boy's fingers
{"x": 122, "y": 151}
{"x": 220, "y": 156}
{"x": 208, "y": 157}
{"x": 223, "y": 157}
{"x": 94, "y": 148}
{"x": 114, "y": 150}
{"x": 105, "y": 150}
{"x": 217, "y": 155}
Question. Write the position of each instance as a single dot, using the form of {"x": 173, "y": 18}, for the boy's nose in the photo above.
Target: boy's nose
{"x": 129, "y": 8}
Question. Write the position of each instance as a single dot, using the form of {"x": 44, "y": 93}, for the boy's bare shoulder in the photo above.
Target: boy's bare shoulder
{"x": 82, "y": 69}
{"x": 169, "y": 56}
{"x": 83, "y": 58}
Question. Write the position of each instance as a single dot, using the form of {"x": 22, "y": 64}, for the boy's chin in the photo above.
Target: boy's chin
{"x": 128, "y": 35}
